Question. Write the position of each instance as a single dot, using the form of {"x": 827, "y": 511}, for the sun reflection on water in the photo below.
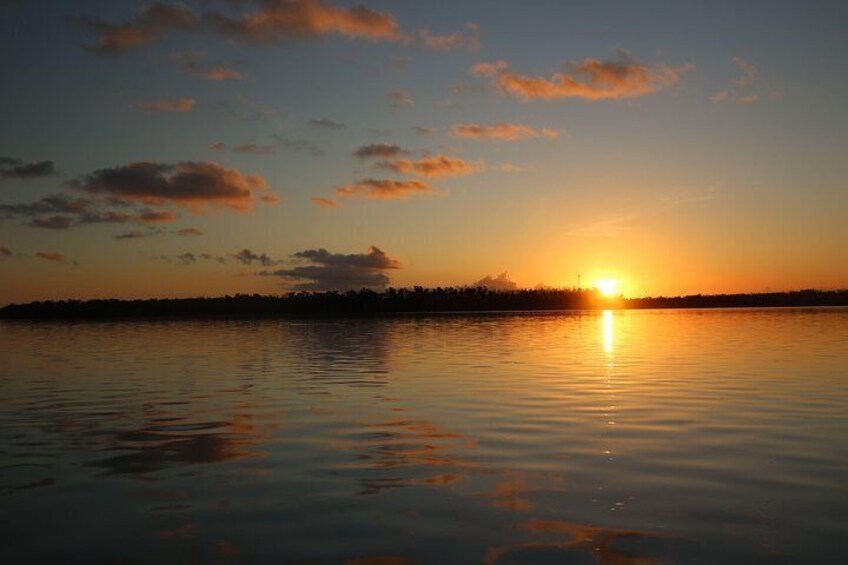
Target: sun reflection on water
{"x": 607, "y": 328}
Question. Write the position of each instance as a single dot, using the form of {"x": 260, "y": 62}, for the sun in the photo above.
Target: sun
{"x": 607, "y": 287}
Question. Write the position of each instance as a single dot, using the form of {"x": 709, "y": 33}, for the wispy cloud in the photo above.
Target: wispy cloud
{"x": 733, "y": 92}
{"x": 193, "y": 63}
{"x": 323, "y": 202}
{"x": 11, "y": 167}
{"x": 179, "y": 105}
{"x": 384, "y": 189}
{"x": 470, "y": 39}
{"x": 591, "y": 79}
{"x": 501, "y": 131}
{"x": 400, "y": 99}
{"x": 432, "y": 166}
{"x": 325, "y": 123}
{"x": 379, "y": 150}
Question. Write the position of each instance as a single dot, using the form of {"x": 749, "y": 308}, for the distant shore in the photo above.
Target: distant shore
{"x": 399, "y": 301}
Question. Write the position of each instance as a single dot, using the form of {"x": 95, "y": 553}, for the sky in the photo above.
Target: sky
{"x": 210, "y": 147}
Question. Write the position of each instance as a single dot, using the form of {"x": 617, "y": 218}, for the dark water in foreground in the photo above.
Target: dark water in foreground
{"x": 616, "y": 438}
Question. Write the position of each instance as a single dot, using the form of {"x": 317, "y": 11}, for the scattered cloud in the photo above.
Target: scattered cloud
{"x": 243, "y": 149}
{"x": 383, "y": 189}
{"x": 51, "y": 256}
{"x": 591, "y": 79}
{"x": 188, "y": 184}
{"x": 298, "y": 145}
{"x": 179, "y": 105}
{"x": 52, "y": 222}
{"x": 151, "y": 21}
{"x": 187, "y": 259}
{"x": 400, "y": 99}
{"x": 499, "y": 283}
{"x": 189, "y": 232}
{"x": 325, "y": 202}
{"x": 270, "y": 22}
{"x": 192, "y": 63}
{"x": 336, "y": 271}
{"x": 19, "y": 169}
{"x": 248, "y": 257}
{"x": 510, "y": 168}
{"x": 135, "y": 234}
{"x": 379, "y": 150}
{"x": 501, "y": 131}
{"x": 276, "y": 20}
{"x": 421, "y": 130}
{"x": 324, "y": 123}
{"x": 432, "y": 166}
{"x": 470, "y": 39}
{"x": 732, "y": 93}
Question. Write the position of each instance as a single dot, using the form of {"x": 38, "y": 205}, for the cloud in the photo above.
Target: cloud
{"x": 5, "y": 252}
{"x": 501, "y": 131}
{"x": 469, "y": 39}
{"x": 325, "y": 202}
{"x": 18, "y": 169}
{"x": 591, "y": 79}
{"x": 383, "y": 189}
{"x": 381, "y": 150}
{"x": 192, "y": 63}
{"x": 337, "y": 271}
{"x": 400, "y": 98}
{"x": 298, "y": 145}
{"x": 186, "y": 259}
{"x": 500, "y": 283}
{"x": 60, "y": 211}
{"x": 324, "y": 123}
{"x": 510, "y": 168}
{"x": 243, "y": 149}
{"x": 187, "y": 184}
{"x": 189, "y": 232}
{"x": 421, "y": 130}
{"x": 248, "y": 257}
{"x": 52, "y": 222}
{"x": 136, "y": 234}
{"x": 51, "y": 256}
{"x": 151, "y": 21}
{"x": 276, "y": 20}
{"x": 179, "y": 105}
{"x": 435, "y": 166}
{"x": 731, "y": 93}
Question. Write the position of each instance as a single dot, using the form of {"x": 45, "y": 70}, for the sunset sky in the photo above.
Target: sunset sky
{"x": 214, "y": 146}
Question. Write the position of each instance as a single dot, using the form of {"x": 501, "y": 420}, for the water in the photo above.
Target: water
{"x": 615, "y": 438}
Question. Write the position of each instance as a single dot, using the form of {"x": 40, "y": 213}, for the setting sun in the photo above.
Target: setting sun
{"x": 607, "y": 287}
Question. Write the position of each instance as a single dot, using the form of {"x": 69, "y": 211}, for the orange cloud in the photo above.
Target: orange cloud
{"x": 325, "y": 202}
{"x": 383, "y": 189}
{"x": 590, "y": 80}
{"x": 151, "y": 21}
{"x": 157, "y": 217}
{"x": 400, "y": 98}
{"x": 178, "y": 105}
{"x": 189, "y": 232}
{"x": 187, "y": 184}
{"x": 435, "y": 166}
{"x": 470, "y": 39}
{"x": 278, "y": 19}
{"x": 501, "y": 131}
{"x": 731, "y": 93}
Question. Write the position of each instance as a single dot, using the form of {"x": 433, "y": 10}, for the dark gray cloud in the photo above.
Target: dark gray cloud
{"x": 379, "y": 150}
{"x": 499, "y": 283}
{"x": 189, "y": 232}
{"x": 51, "y": 256}
{"x": 324, "y": 123}
{"x": 188, "y": 184}
{"x": 248, "y": 257}
{"x": 338, "y": 271}
{"x": 18, "y": 169}
{"x": 136, "y": 234}
{"x": 5, "y": 252}
{"x": 60, "y": 211}
{"x": 187, "y": 259}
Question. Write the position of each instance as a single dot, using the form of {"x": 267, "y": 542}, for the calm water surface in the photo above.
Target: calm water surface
{"x": 615, "y": 438}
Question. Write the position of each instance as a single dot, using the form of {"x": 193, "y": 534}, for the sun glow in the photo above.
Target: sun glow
{"x": 607, "y": 287}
